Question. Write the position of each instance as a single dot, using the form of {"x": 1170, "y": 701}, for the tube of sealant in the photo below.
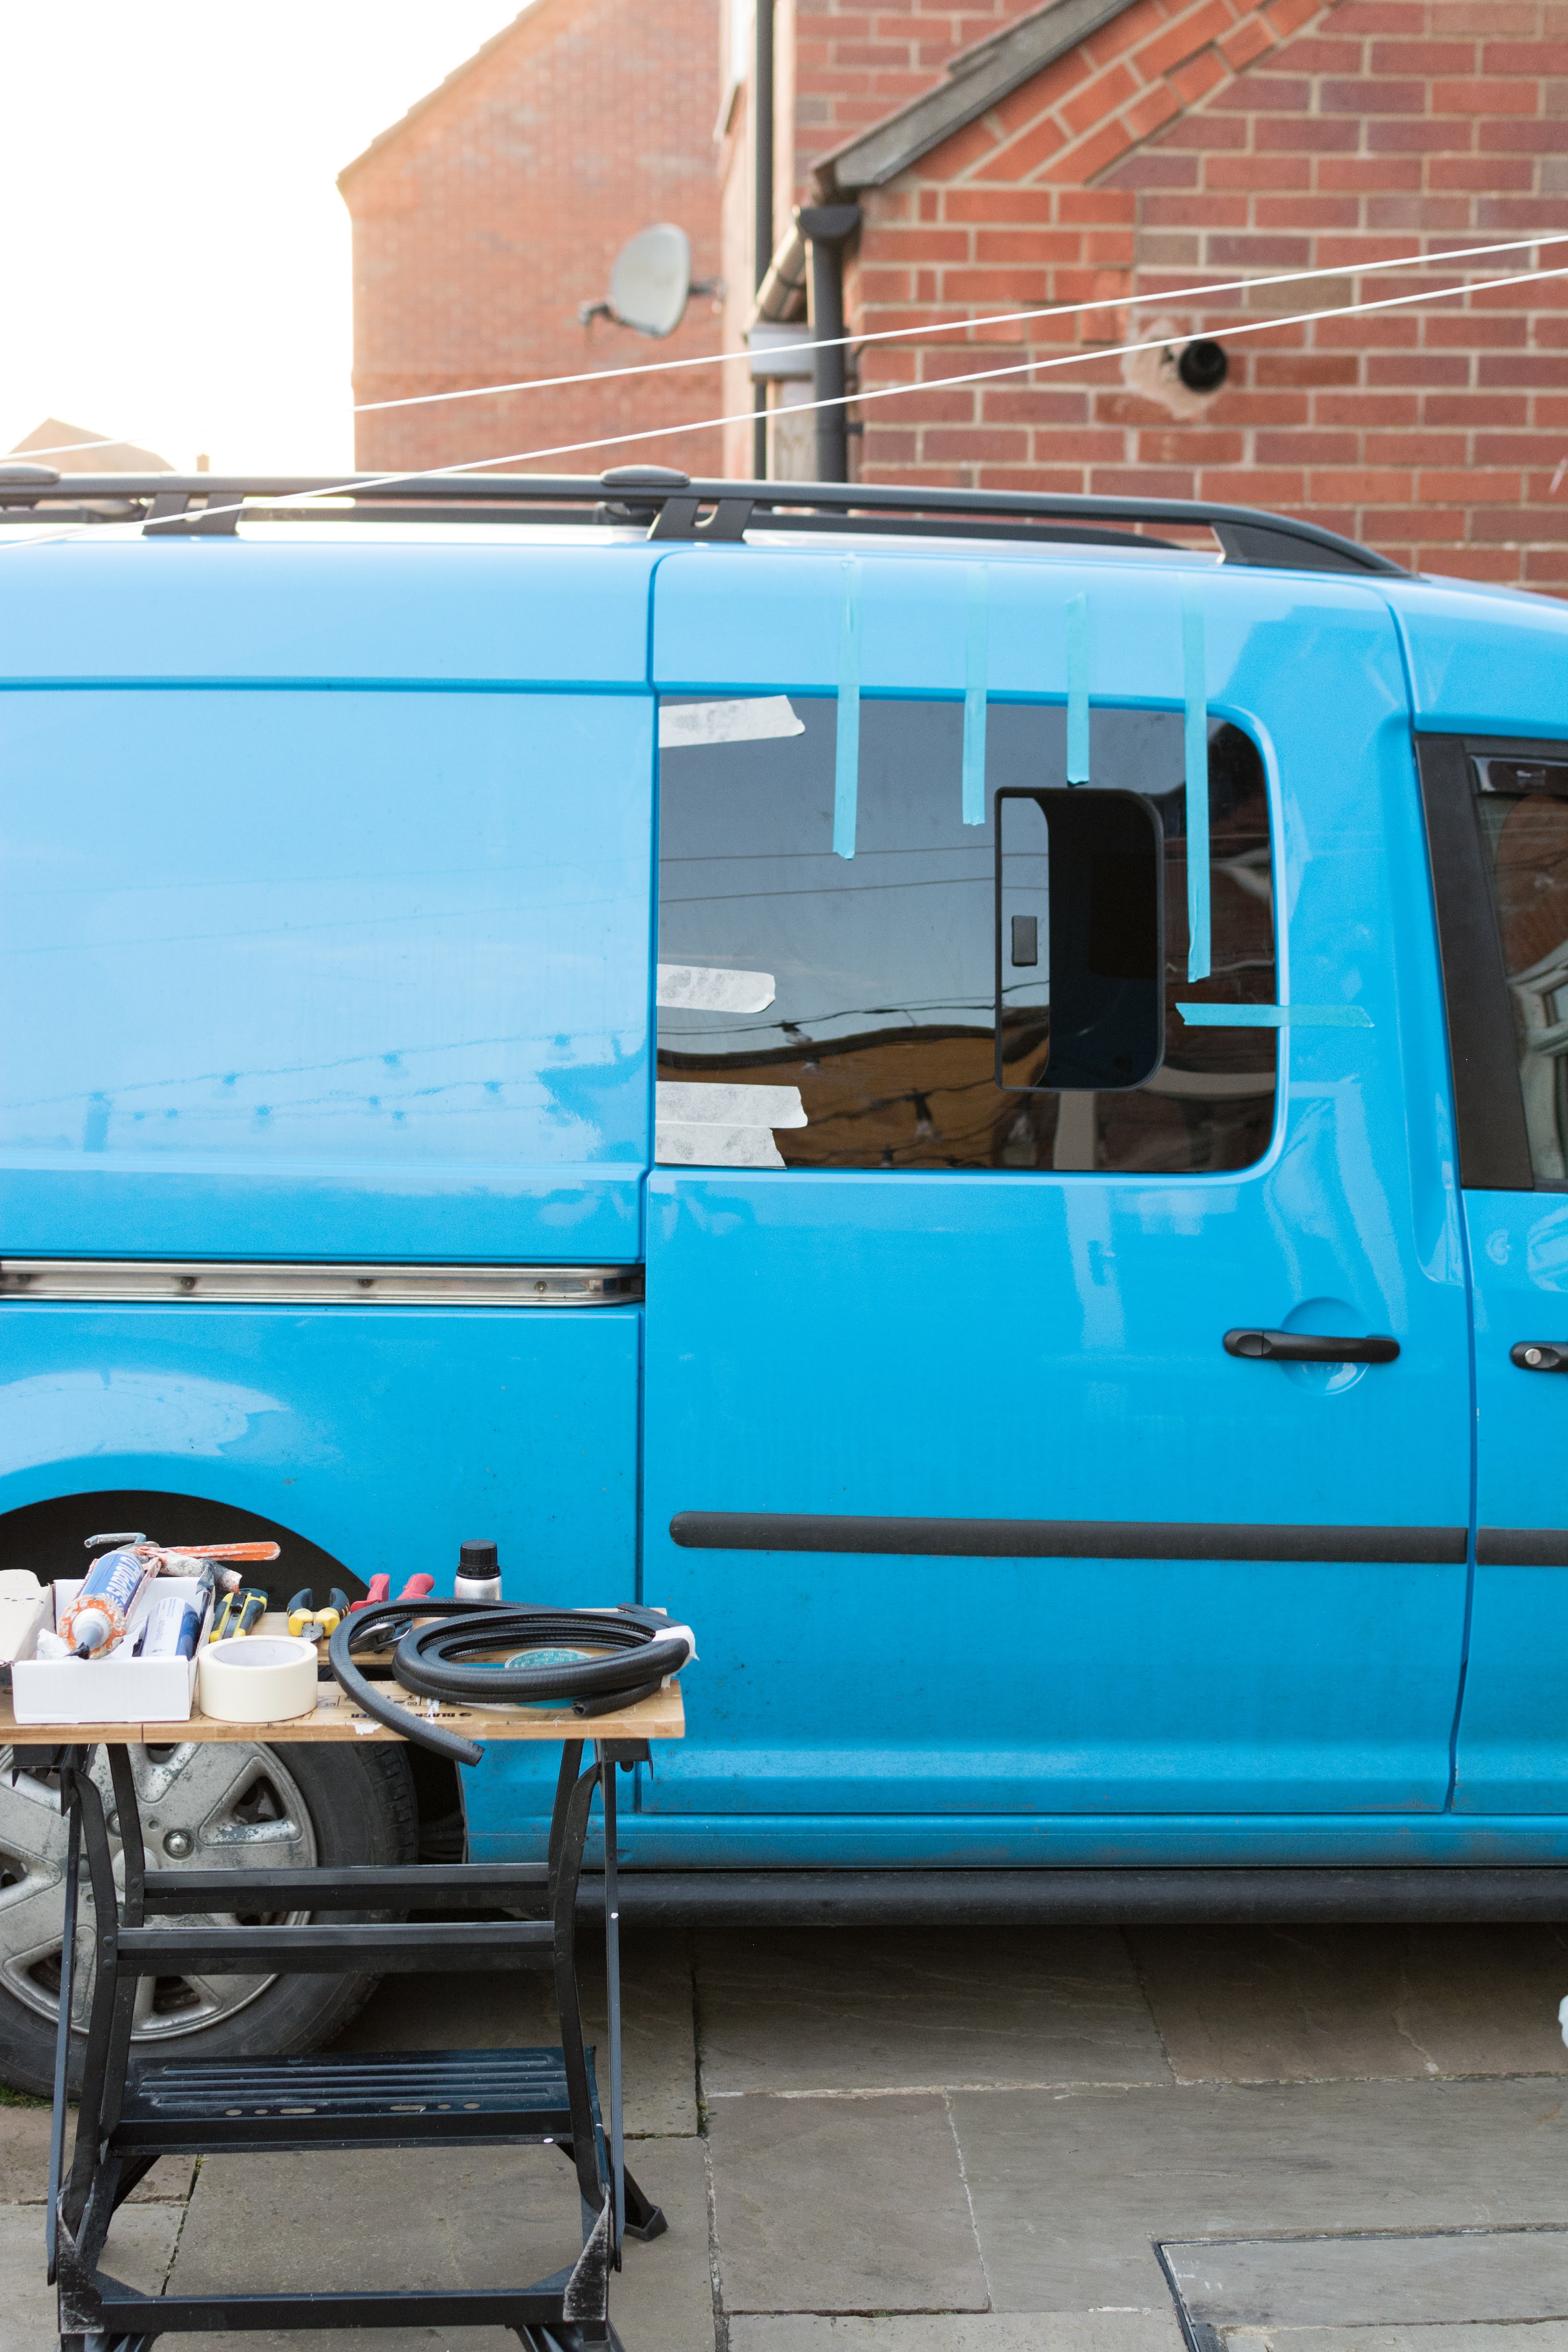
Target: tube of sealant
{"x": 172, "y": 1626}
{"x": 94, "y": 1623}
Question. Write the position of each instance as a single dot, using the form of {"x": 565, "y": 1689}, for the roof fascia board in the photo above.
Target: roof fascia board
{"x": 977, "y": 79}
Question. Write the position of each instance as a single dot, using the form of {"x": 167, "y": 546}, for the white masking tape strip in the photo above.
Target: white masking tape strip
{"x": 703, "y": 988}
{"x": 684, "y": 725}
{"x": 691, "y": 1143}
{"x": 256, "y": 1678}
{"x": 728, "y": 1106}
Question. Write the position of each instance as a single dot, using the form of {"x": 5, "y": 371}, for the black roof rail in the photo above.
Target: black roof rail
{"x": 670, "y": 506}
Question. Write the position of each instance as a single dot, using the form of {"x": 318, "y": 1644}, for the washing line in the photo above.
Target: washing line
{"x": 360, "y": 486}
{"x": 884, "y": 334}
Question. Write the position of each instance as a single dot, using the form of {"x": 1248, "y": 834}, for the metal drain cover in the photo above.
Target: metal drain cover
{"x": 1361, "y": 2278}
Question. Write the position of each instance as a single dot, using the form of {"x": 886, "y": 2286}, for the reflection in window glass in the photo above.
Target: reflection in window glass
{"x": 1526, "y": 837}
{"x": 865, "y": 987}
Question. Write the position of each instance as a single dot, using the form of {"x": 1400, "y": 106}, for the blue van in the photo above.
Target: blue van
{"x": 969, "y": 1092}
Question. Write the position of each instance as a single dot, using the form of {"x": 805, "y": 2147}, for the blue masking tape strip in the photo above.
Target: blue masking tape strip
{"x": 847, "y": 756}
{"x": 1194, "y": 689}
{"x": 1275, "y": 1016}
{"x": 977, "y": 662}
{"x": 1078, "y": 690}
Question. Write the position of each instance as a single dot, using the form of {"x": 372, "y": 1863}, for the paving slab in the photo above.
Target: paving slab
{"x": 140, "y": 2240}
{"x": 1442, "y": 2277}
{"x": 984, "y": 2331}
{"x": 25, "y": 2162}
{"x": 497, "y": 2011}
{"x": 1069, "y": 2188}
{"x": 663, "y": 2300}
{"x": 845, "y": 2007}
{"x": 842, "y": 2204}
{"x": 466, "y": 2217}
{"x": 1305, "y": 2004}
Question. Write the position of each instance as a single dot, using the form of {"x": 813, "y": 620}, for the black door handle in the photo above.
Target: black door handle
{"x": 1310, "y": 1348}
{"x": 1540, "y": 1354}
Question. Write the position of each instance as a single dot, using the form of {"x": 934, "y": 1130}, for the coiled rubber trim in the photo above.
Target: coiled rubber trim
{"x": 436, "y": 1660}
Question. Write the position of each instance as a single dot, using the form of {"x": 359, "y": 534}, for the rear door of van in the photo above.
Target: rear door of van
{"x": 946, "y": 1455}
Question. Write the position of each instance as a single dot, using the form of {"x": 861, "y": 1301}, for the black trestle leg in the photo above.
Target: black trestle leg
{"x": 644, "y": 2220}
{"x": 129, "y": 2116}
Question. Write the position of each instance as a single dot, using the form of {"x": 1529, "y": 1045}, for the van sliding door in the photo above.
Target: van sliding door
{"x": 997, "y": 1440}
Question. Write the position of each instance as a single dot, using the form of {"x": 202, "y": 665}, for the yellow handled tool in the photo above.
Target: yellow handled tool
{"x": 317, "y": 1624}
{"x": 239, "y": 1613}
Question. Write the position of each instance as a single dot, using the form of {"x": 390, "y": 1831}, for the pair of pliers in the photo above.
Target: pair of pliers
{"x": 317, "y": 1624}
{"x": 415, "y": 1589}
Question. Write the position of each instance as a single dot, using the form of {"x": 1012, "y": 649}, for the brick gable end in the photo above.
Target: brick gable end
{"x": 1192, "y": 141}
{"x": 490, "y": 213}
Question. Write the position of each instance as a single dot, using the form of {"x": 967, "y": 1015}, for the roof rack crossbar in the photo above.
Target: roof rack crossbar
{"x": 674, "y": 508}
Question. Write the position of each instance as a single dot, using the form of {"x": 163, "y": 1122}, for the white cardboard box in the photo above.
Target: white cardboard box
{"x": 24, "y": 1605}
{"x": 117, "y": 1689}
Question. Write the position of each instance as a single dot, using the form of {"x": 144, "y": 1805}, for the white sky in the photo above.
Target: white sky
{"x": 176, "y": 251}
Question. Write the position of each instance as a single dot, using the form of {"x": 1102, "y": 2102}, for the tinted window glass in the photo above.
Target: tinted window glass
{"x": 865, "y": 986}
{"x": 1526, "y": 837}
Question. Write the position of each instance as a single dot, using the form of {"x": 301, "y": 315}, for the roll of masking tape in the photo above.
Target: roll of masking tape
{"x": 257, "y": 1678}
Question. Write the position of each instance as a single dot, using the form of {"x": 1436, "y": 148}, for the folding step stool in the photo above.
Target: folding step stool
{"x": 443, "y": 2098}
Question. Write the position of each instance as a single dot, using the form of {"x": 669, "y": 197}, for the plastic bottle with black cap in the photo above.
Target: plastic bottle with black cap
{"x": 478, "y": 1571}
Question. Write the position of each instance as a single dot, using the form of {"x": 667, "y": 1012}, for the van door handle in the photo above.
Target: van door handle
{"x": 1312, "y": 1348}
{"x": 1540, "y": 1354}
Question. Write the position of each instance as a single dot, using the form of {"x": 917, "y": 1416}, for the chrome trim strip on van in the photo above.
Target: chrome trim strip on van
{"x": 257, "y": 1284}
{"x": 1066, "y": 1538}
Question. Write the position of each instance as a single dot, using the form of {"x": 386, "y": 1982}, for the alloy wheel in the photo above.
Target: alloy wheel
{"x": 208, "y": 1806}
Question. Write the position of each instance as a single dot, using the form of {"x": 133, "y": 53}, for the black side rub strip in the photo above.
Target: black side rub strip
{"x": 1521, "y": 1547}
{"x": 1068, "y": 1539}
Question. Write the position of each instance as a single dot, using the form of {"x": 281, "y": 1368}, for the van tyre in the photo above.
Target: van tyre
{"x": 204, "y": 1807}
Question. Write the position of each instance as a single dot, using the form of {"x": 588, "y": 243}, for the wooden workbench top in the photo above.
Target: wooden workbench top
{"x": 662, "y": 1716}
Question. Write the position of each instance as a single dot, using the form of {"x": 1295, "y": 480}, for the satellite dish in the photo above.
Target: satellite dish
{"x": 651, "y": 279}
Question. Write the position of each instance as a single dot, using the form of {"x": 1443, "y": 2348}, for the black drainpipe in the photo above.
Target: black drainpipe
{"x": 762, "y": 202}
{"x": 827, "y": 228}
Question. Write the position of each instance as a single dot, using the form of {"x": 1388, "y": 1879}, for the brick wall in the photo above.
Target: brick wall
{"x": 857, "y": 61}
{"x": 483, "y": 220}
{"x": 1192, "y": 141}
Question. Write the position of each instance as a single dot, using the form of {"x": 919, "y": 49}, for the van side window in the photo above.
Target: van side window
{"x": 1522, "y": 807}
{"x": 893, "y": 1009}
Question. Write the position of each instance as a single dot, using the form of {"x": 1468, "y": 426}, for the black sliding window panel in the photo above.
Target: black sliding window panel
{"x": 883, "y": 966}
{"x": 1089, "y": 865}
{"x": 1497, "y": 831}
